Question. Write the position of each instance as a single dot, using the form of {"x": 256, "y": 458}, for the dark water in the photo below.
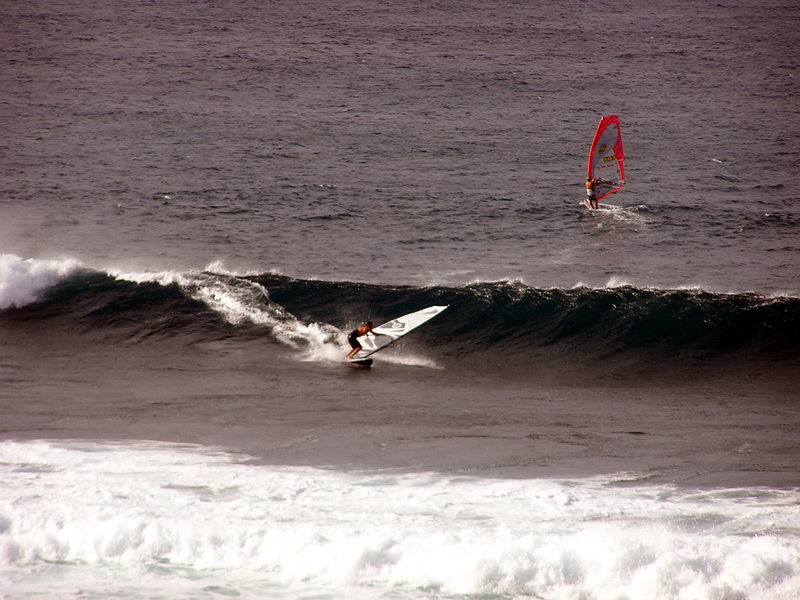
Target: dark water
{"x": 200, "y": 199}
{"x": 408, "y": 145}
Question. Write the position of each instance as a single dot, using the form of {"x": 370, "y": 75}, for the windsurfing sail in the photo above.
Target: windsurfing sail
{"x": 393, "y": 330}
{"x": 606, "y": 157}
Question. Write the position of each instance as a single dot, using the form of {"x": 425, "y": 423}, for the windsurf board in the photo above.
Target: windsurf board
{"x": 364, "y": 363}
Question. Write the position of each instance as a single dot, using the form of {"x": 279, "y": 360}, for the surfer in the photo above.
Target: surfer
{"x": 591, "y": 192}
{"x": 353, "y": 336}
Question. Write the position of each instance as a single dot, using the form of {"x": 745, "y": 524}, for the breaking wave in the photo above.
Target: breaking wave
{"x": 313, "y": 316}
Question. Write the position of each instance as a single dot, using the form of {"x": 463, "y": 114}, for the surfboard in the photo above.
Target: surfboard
{"x": 366, "y": 363}
{"x": 606, "y": 158}
{"x": 391, "y": 331}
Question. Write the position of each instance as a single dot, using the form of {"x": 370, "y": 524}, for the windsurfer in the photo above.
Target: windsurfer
{"x": 353, "y": 336}
{"x": 591, "y": 192}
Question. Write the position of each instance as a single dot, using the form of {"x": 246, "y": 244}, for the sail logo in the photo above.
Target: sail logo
{"x": 602, "y": 148}
{"x": 611, "y": 158}
{"x": 394, "y": 325}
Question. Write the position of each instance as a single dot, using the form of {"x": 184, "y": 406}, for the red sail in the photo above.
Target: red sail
{"x": 606, "y": 157}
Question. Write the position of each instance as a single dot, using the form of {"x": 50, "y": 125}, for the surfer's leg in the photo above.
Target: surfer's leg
{"x": 354, "y": 345}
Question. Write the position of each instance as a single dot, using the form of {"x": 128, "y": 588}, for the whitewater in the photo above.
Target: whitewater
{"x": 166, "y": 521}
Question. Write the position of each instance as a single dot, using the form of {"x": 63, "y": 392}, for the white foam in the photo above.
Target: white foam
{"x": 240, "y": 301}
{"x": 617, "y": 282}
{"x": 623, "y": 214}
{"x": 22, "y": 281}
{"x": 409, "y": 360}
{"x": 154, "y": 520}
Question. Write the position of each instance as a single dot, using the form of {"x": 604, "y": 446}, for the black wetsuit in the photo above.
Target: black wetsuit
{"x": 351, "y": 337}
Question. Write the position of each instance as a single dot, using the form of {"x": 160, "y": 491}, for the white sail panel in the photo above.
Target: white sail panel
{"x": 393, "y": 330}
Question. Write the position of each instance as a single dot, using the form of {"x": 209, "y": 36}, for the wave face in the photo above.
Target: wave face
{"x": 312, "y": 317}
{"x": 512, "y": 317}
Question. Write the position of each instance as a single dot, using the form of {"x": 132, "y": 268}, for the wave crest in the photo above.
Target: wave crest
{"x": 23, "y": 281}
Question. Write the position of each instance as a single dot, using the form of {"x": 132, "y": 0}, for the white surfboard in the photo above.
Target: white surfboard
{"x": 393, "y": 330}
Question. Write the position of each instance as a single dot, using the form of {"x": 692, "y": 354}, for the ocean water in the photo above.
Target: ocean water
{"x": 199, "y": 200}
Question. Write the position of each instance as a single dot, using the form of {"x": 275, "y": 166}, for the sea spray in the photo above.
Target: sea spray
{"x": 23, "y": 281}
